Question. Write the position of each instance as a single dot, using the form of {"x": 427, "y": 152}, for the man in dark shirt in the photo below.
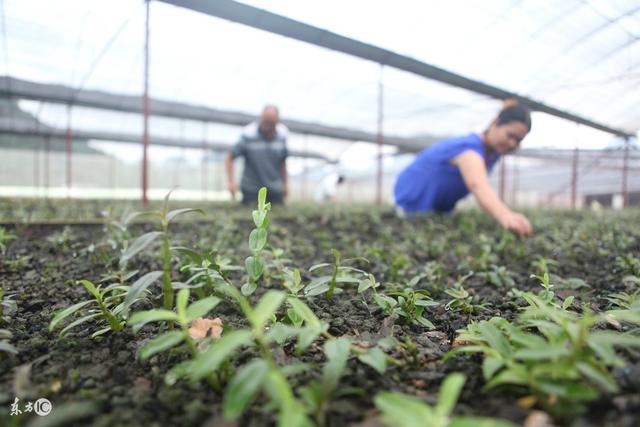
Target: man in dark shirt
{"x": 263, "y": 145}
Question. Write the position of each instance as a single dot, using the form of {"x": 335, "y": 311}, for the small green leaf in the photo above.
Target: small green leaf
{"x": 248, "y": 288}
{"x": 138, "y": 288}
{"x": 92, "y": 289}
{"x": 337, "y": 352}
{"x": 258, "y": 218}
{"x": 243, "y": 388}
{"x": 202, "y": 307}
{"x": 257, "y": 239}
{"x": 77, "y": 322}
{"x": 262, "y": 198}
{"x": 141, "y": 318}
{"x": 267, "y": 306}
{"x": 254, "y": 266}
{"x": 542, "y": 353}
{"x": 599, "y": 377}
{"x": 375, "y": 358}
{"x": 307, "y": 335}
{"x": 465, "y": 421}
{"x": 5, "y": 346}
{"x": 195, "y": 257}
{"x": 490, "y": 366}
{"x": 174, "y": 213}
{"x": 317, "y": 266}
{"x": 138, "y": 244}
{"x": 161, "y": 343}
{"x": 181, "y": 305}
{"x": 449, "y": 392}
{"x": 181, "y": 370}
{"x": 207, "y": 362}
{"x": 401, "y": 410}
{"x": 304, "y": 311}
{"x": 567, "y": 302}
{"x": 493, "y": 336}
{"x": 65, "y": 313}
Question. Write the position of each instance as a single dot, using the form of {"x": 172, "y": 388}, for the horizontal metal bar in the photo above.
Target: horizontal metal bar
{"x": 15, "y": 88}
{"x": 26, "y": 128}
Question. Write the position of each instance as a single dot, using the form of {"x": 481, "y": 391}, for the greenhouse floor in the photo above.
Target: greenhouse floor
{"x": 544, "y": 330}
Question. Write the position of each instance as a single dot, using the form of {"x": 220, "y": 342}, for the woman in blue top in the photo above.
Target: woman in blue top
{"x": 448, "y": 170}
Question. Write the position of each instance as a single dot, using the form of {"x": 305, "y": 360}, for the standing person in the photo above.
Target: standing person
{"x": 263, "y": 145}
{"x": 448, "y": 170}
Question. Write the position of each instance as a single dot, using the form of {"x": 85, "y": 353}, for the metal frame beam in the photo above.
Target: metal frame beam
{"x": 30, "y": 129}
{"x": 278, "y": 24}
{"x": 22, "y": 89}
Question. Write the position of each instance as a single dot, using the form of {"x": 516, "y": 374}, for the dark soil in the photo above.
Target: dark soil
{"x": 41, "y": 266}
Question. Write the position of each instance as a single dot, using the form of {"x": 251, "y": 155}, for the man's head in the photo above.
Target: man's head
{"x": 268, "y": 121}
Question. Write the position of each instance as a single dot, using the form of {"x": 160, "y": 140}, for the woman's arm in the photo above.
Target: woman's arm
{"x": 474, "y": 174}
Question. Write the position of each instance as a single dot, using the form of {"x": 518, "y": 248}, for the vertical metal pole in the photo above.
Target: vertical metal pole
{"x": 305, "y": 175}
{"x": 69, "y": 140}
{"x": 145, "y": 110}
{"x": 204, "y": 171}
{"x": 36, "y": 166}
{"x": 47, "y": 145}
{"x": 574, "y": 177}
{"x": 112, "y": 174}
{"x": 516, "y": 180}
{"x": 380, "y": 135}
{"x": 625, "y": 174}
{"x": 503, "y": 178}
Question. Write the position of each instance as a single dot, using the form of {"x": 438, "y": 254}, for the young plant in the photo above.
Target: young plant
{"x": 255, "y": 264}
{"x": 164, "y": 217}
{"x": 401, "y": 410}
{"x": 500, "y": 277}
{"x": 109, "y": 306}
{"x": 552, "y": 353}
{"x": 293, "y": 281}
{"x": 6, "y": 303}
{"x": 463, "y": 301}
{"x": 5, "y": 346}
{"x": 317, "y": 394}
{"x": 183, "y": 316}
{"x": 340, "y": 273}
{"x": 5, "y": 238}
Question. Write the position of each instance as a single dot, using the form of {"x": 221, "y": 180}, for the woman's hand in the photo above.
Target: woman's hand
{"x": 517, "y": 223}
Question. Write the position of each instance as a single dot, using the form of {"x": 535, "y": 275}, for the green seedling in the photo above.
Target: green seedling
{"x": 183, "y": 316}
{"x": 554, "y": 354}
{"x": 293, "y": 281}
{"x": 500, "y": 277}
{"x": 164, "y": 216}
{"x": 341, "y": 272}
{"x": 541, "y": 265}
{"x": 5, "y": 346}
{"x": 629, "y": 264}
{"x": 317, "y": 394}
{"x": 255, "y": 264}
{"x": 109, "y": 307}
{"x": 401, "y": 410}
{"x": 5, "y": 238}
{"x": 206, "y": 270}
{"x": 62, "y": 239}
{"x": 463, "y": 301}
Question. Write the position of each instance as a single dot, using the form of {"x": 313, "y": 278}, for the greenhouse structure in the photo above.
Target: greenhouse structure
{"x": 338, "y": 213}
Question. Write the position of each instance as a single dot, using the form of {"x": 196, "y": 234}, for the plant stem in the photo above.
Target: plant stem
{"x": 167, "y": 289}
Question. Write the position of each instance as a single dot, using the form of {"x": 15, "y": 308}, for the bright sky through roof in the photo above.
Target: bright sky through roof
{"x": 532, "y": 47}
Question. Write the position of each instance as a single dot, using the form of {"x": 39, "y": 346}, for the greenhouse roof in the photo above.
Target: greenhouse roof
{"x": 579, "y": 57}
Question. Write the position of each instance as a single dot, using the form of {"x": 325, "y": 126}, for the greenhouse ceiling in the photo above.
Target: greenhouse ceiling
{"x": 581, "y": 57}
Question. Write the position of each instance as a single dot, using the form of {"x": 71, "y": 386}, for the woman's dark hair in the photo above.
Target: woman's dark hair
{"x": 514, "y": 112}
